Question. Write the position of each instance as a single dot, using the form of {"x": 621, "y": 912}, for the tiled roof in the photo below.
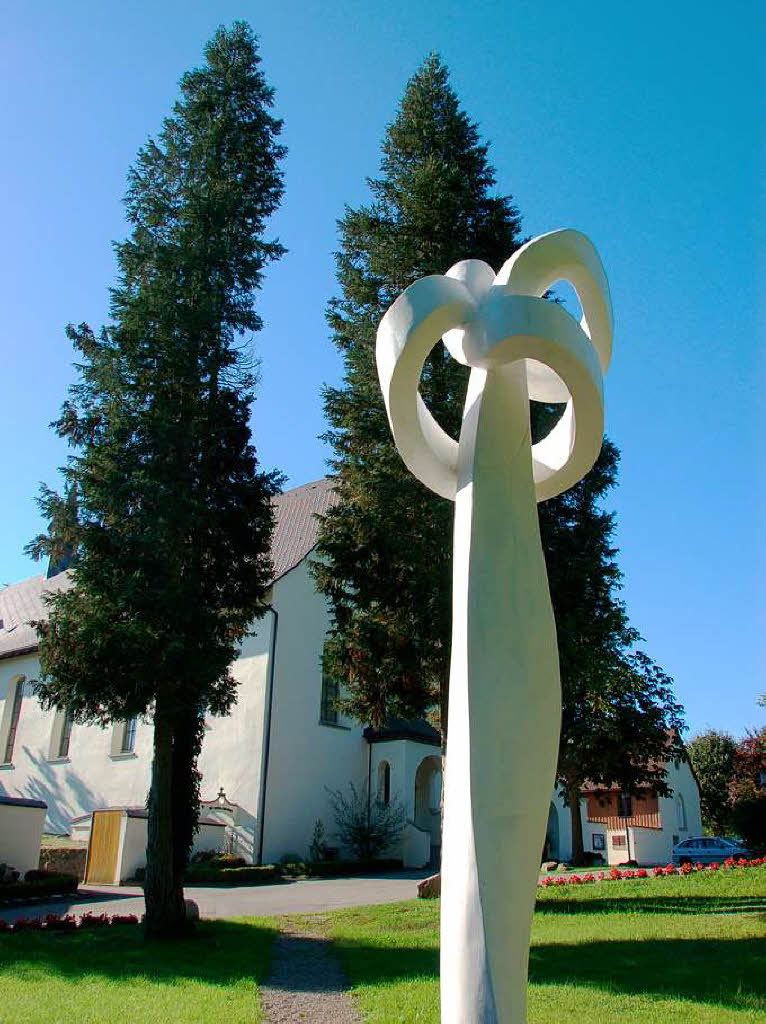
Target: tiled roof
{"x": 22, "y": 603}
{"x": 295, "y": 534}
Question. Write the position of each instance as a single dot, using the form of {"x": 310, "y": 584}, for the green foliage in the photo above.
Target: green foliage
{"x": 711, "y": 755}
{"x": 365, "y": 827}
{"x": 748, "y": 788}
{"x": 318, "y": 844}
{"x": 171, "y": 519}
{"x": 386, "y": 547}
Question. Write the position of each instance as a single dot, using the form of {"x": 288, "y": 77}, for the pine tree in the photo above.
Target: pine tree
{"x": 170, "y": 531}
{"x": 385, "y": 549}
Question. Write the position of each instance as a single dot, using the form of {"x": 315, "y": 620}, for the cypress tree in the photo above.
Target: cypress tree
{"x": 170, "y": 531}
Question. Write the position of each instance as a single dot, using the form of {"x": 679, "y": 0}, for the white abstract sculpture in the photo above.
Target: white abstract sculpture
{"x": 505, "y": 694}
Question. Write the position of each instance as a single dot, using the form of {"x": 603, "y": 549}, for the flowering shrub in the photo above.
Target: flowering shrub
{"x": 94, "y": 921}
{"x": 67, "y": 923}
{"x": 589, "y": 878}
{"x": 642, "y": 873}
{"x": 728, "y": 863}
{"x": 55, "y": 923}
{"x": 28, "y": 924}
{"x": 670, "y": 869}
{"x": 686, "y": 869}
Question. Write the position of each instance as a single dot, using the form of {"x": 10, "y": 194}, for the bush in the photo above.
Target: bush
{"x": 248, "y": 875}
{"x": 318, "y": 846}
{"x": 368, "y": 828}
{"x": 39, "y": 888}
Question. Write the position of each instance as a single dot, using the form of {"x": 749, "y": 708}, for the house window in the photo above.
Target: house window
{"x": 599, "y": 841}
{"x": 625, "y": 806}
{"x": 11, "y": 717}
{"x": 384, "y": 783}
{"x": 66, "y": 735}
{"x": 681, "y": 814}
{"x": 619, "y": 841}
{"x": 328, "y": 712}
{"x": 129, "y": 736}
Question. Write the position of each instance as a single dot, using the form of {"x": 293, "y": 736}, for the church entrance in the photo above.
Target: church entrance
{"x": 428, "y": 794}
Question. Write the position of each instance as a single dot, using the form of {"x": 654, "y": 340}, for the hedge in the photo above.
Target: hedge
{"x": 39, "y": 887}
{"x": 197, "y": 874}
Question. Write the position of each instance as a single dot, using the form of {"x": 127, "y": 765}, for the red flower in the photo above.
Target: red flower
{"x": 659, "y": 872}
{"x": 641, "y": 873}
{"x": 670, "y": 869}
{"x": 28, "y": 924}
{"x": 124, "y": 919}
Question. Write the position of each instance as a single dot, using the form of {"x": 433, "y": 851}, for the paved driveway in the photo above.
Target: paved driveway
{"x": 299, "y": 897}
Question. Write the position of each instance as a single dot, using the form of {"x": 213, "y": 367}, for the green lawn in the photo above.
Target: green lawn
{"x": 112, "y": 975}
{"x": 681, "y": 950}
{"x": 686, "y": 950}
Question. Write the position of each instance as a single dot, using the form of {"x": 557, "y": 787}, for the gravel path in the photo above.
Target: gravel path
{"x": 306, "y": 982}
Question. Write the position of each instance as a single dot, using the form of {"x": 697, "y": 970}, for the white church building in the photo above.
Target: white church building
{"x": 266, "y": 767}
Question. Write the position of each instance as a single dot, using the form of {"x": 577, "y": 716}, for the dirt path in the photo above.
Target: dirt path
{"x": 306, "y": 982}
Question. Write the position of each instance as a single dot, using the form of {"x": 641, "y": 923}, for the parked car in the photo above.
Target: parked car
{"x": 706, "y": 849}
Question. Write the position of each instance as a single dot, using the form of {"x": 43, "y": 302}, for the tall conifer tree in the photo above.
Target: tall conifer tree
{"x": 172, "y": 521}
{"x": 386, "y": 547}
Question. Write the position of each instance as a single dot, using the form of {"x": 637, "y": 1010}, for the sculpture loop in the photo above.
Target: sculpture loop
{"x": 490, "y": 320}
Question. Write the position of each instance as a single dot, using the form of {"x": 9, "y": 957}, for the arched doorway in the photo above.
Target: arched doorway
{"x": 428, "y": 792}
{"x": 551, "y": 851}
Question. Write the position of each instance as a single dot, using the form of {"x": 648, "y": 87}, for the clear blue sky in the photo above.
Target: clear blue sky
{"x": 639, "y": 124}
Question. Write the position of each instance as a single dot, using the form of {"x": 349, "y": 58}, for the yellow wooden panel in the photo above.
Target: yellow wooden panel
{"x": 104, "y": 847}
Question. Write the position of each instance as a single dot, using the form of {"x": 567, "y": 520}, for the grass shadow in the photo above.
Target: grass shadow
{"x": 726, "y": 972}
{"x": 220, "y": 953}
{"x": 681, "y": 904}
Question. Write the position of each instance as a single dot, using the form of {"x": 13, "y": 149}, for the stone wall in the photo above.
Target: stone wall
{"x": 64, "y": 860}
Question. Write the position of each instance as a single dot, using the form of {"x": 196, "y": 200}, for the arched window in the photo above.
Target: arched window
{"x": 384, "y": 783}
{"x": 11, "y": 715}
{"x": 680, "y": 812}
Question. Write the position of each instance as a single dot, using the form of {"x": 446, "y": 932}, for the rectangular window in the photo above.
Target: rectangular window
{"x": 129, "y": 736}
{"x": 619, "y": 841}
{"x": 328, "y": 713}
{"x": 18, "y": 695}
{"x": 599, "y": 841}
{"x": 626, "y": 806}
{"x": 66, "y": 733}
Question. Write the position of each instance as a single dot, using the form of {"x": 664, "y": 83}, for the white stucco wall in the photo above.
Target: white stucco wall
{"x": 90, "y": 777}
{"x": 305, "y": 755}
{"x": 20, "y": 832}
{"x": 647, "y": 846}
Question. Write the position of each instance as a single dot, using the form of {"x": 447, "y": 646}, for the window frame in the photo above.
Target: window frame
{"x": 328, "y": 713}
{"x": 13, "y": 719}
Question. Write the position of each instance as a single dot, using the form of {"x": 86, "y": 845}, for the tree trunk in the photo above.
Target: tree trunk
{"x": 165, "y": 912}
{"x": 578, "y": 849}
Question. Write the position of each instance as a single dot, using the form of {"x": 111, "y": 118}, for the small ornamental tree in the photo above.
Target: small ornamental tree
{"x": 367, "y": 828}
{"x": 711, "y": 755}
{"x": 167, "y": 517}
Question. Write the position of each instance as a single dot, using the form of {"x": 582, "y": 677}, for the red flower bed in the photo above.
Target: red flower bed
{"x": 618, "y": 874}
{"x": 67, "y": 923}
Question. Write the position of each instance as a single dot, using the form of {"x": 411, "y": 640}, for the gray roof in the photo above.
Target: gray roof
{"x": 22, "y": 603}
{"x": 296, "y": 530}
{"x": 295, "y": 534}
